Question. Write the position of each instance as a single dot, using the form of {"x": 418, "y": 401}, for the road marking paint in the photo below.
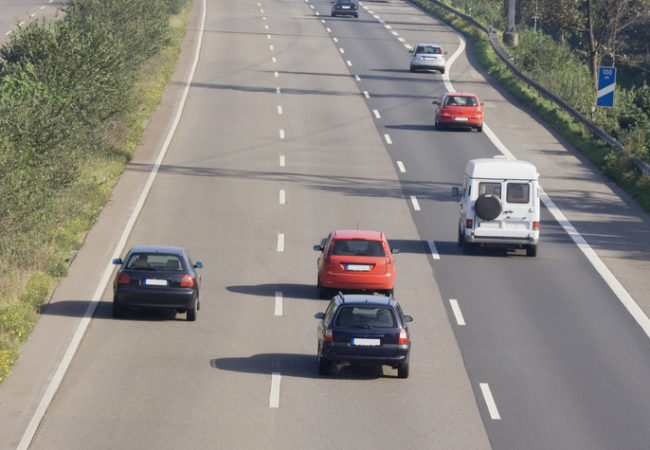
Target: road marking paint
{"x": 317, "y": 13}
{"x": 21, "y": 23}
{"x": 280, "y": 247}
{"x": 408, "y": 46}
{"x": 394, "y": 33}
{"x": 261, "y": 11}
{"x": 401, "y": 167}
{"x": 335, "y": 39}
{"x": 32, "y": 15}
{"x": 357, "y": 77}
{"x": 282, "y": 160}
{"x": 433, "y": 250}
{"x": 281, "y": 132}
{"x": 266, "y": 27}
{"x": 366, "y": 94}
{"x": 283, "y": 197}
{"x": 455, "y": 308}
{"x": 278, "y": 303}
{"x": 388, "y": 139}
{"x": 277, "y": 90}
{"x": 388, "y": 27}
{"x": 274, "y": 398}
{"x": 271, "y": 47}
{"x": 42, "y": 7}
{"x": 349, "y": 63}
{"x": 376, "y": 113}
{"x": 341, "y": 50}
{"x": 263, "y": 18}
{"x": 8, "y": 33}
{"x": 276, "y": 74}
{"x": 401, "y": 39}
{"x": 329, "y": 30}
{"x": 268, "y": 36}
{"x": 489, "y": 401}
{"x": 311, "y": 6}
{"x": 279, "y": 109}
{"x": 274, "y": 60}
{"x": 414, "y": 201}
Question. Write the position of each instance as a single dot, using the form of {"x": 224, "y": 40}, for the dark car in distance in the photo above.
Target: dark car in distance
{"x": 363, "y": 329}
{"x": 157, "y": 277}
{"x": 345, "y": 8}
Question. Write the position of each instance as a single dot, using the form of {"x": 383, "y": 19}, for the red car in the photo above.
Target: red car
{"x": 459, "y": 109}
{"x": 355, "y": 260}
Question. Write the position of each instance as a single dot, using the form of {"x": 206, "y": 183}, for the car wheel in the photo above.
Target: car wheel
{"x": 356, "y": 16}
{"x": 442, "y": 71}
{"x": 479, "y": 128}
{"x": 333, "y": 15}
{"x": 488, "y": 207}
{"x": 439, "y": 126}
{"x": 322, "y": 291}
{"x": 323, "y": 365}
{"x": 389, "y": 292}
{"x": 191, "y": 311}
{"x": 531, "y": 250}
{"x": 403, "y": 370}
{"x": 411, "y": 69}
{"x": 118, "y": 311}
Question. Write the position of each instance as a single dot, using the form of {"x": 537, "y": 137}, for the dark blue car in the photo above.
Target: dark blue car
{"x": 157, "y": 277}
{"x": 363, "y": 329}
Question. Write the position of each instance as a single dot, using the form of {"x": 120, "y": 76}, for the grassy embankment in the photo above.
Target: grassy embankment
{"x": 75, "y": 97}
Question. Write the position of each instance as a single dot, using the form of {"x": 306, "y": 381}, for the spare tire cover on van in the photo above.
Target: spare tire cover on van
{"x": 488, "y": 207}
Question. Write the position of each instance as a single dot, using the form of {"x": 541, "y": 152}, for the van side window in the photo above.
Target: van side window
{"x": 489, "y": 188}
{"x": 517, "y": 193}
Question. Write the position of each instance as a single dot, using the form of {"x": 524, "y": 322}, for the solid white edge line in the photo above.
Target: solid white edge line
{"x": 401, "y": 167}
{"x": 61, "y": 370}
{"x": 433, "y": 250}
{"x": 414, "y": 201}
{"x": 274, "y": 398}
{"x": 280, "y": 247}
{"x": 278, "y": 303}
{"x": 489, "y": 401}
{"x": 455, "y": 308}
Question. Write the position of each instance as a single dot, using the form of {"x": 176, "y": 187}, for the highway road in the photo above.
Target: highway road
{"x": 21, "y": 12}
{"x": 297, "y": 123}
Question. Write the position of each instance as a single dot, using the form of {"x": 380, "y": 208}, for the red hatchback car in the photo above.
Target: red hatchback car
{"x": 459, "y": 109}
{"x": 355, "y": 260}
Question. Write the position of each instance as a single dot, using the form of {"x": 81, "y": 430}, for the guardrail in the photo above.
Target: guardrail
{"x": 507, "y": 59}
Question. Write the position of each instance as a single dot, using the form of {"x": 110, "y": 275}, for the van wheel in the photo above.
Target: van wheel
{"x": 488, "y": 206}
{"x": 531, "y": 250}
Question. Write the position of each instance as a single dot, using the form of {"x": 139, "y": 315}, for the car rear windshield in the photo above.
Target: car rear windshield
{"x": 428, "y": 49}
{"x": 154, "y": 261}
{"x": 357, "y": 247}
{"x": 366, "y": 317}
{"x": 457, "y": 100}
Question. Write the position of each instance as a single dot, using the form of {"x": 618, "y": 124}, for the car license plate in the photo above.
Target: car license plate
{"x": 461, "y": 119}
{"x": 155, "y": 282}
{"x": 345, "y": 7}
{"x": 358, "y": 267}
{"x": 365, "y": 342}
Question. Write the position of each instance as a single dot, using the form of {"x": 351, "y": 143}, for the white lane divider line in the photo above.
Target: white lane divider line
{"x": 279, "y": 109}
{"x": 329, "y": 30}
{"x": 268, "y": 36}
{"x": 276, "y": 74}
{"x": 376, "y": 113}
{"x": 283, "y": 197}
{"x": 281, "y": 132}
{"x": 274, "y": 398}
{"x": 357, "y": 77}
{"x": 341, "y": 50}
{"x": 282, "y": 160}
{"x": 349, "y": 63}
{"x": 280, "y": 247}
{"x": 366, "y": 94}
{"x": 455, "y": 308}
{"x": 271, "y": 47}
{"x": 278, "y": 303}
{"x": 388, "y": 139}
{"x": 263, "y": 18}
{"x": 317, "y": 13}
{"x": 335, "y": 39}
{"x": 400, "y": 166}
{"x": 433, "y": 250}
{"x": 394, "y": 33}
{"x": 266, "y": 27}
{"x": 489, "y": 401}
{"x": 278, "y": 90}
{"x": 274, "y": 60}
{"x": 401, "y": 39}
{"x": 8, "y": 33}
{"x": 414, "y": 201}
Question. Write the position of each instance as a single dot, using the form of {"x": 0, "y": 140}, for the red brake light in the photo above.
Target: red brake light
{"x": 123, "y": 278}
{"x": 535, "y": 225}
{"x": 468, "y": 223}
{"x": 403, "y": 337}
{"x": 187, "y": 281}
{"x": 328, "y": 336}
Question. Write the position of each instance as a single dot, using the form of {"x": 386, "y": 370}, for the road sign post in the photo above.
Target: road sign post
{"x": 606, "y": 86}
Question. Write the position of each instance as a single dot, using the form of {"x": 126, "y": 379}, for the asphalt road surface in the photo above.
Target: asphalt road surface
{"x": 295, "y": 124}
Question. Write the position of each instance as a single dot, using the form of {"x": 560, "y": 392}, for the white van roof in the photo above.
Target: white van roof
{"x": 501, "y": 169}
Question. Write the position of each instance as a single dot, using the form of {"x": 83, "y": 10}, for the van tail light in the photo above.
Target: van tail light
{"x": 123, "y": 278}
{"x": 469, "y": 223}
{"x": 328, "y": 336}
{"x": 187, "y": 281}
{"x": 403, "y": 337}
{"x": 535, "y": 225}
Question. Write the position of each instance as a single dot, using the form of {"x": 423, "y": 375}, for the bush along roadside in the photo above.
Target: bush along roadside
{"x": 619, "y": 166}
{"x": 75, "y": 96}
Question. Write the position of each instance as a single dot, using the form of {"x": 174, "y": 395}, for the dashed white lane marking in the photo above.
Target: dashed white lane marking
{"x": 268, "y": 36}
{"x": 278, "y": 303}
{"x": 388, "y": 27}
{"x": 489, "y": 401}
{"x": 278, "y": 90}
{"x": 357, "y": 77}
{"x": 32, "y": 15}
{"x": 317, "y": 13}
{"x": 274, "y": 60}
{"x": 400, "y": 166}
{"x": 322, "y": 21}
{"x": 266, "y": 27}
{"x": 282, "y": 160}
{"x": 42, "y": 7}
{"x": 261, "y": 11}
{"x": 329, "y": 30}
{"x": 335, "y": 39}
{"x": 455, "y": 308}
{"x": 388, "y": 139}
{"x": 263, "y": 18}
{"x": 281, "y": 133}
{"x": 376, "y": 113}
{"x": 276, "y": 74}
{"x": 349, "y": 63}
{"x": 280, "y": 246}
{"x": 341, "y": 50}
{"x": 271, "y": 47}
{"x": 274, "y": 398}
{"x": 283, "y": 197}
{"x": 394, "y": 33}
{"x": 414, "y": 201}
{"x": 279, "y": 109}
{"x": 401, "y": 39}
{"x": 8, "y": 33}
{"x": 433, "y": 250}
{"x": 366, "y": 94}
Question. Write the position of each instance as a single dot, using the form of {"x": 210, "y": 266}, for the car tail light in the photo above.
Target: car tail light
{"x": 468, "y": 223}
{"x": 328, "y": 336}
{"x": 187, "y": 281}
{"x": 403, "y": 337}
{"x": 355, "y": 8}
{"x": 535, "y": 225}
{"x": 123, "y": 278}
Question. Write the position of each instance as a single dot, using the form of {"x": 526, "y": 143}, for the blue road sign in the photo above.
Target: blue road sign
{"x": 606, "y": 86}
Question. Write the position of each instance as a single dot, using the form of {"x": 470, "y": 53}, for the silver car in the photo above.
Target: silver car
{"x": 427, "y": 56}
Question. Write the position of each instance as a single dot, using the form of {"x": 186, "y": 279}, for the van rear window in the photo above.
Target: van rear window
{"x": 518, "y": 193}
{"x": 489, "y": 188}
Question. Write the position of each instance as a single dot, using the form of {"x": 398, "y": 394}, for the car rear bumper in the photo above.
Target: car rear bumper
{"x": 476, "y": 123}
{"x": 502, "y": 240}
{"x": 345, "y": 12}
{"x": 352, "y": 282}
{"x": 341, "y": 353}
{"x": 137, "y": 297}
{"x": 427, "y": 66}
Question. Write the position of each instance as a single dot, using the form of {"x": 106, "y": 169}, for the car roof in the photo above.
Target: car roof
{"x": 429, "y": 43}
{"x": 461, "y": 94}
{"x": 365, "y": 300}
{"x": 157, "y": 249}
{"x": 501, "y": 169}
{"x": 358, "y": 234}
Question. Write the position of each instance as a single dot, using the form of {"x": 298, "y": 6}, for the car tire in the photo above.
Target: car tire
{"x": 323, "y": 292}
{"x": 439, "y": 126}
{"x": 531, "y": 250}
{"x": 324, "y": 365}
{"x": 118, "y": 310}
{"x": 488, "y": 207}
{"x": 389, "y": 293}
{"x": 479, "y": 128}
{"x": 403, "y": 370}
{"x": 411, "y": 69}
{"x": 442, "y": 71}
{"x": 191, "y": 311}
{"x": 333, "y": 15}
{"x": 356, "y": 16}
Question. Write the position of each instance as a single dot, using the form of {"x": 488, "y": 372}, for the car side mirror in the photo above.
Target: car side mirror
{"x": 408, "y": 319}
{"x": 455, "y": 192}
{"x": 320, "y": 316}
{"x": 318, "y": 247}
{"x": 118, "y": 261}
{"x": 411, "y": 51}
{"x": 435, "y": 102}
{"x": 394, "y": 251}
{"x": 198, "y": 265}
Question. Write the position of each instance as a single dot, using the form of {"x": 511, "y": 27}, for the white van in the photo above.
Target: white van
{"x": 499, "y": 205}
